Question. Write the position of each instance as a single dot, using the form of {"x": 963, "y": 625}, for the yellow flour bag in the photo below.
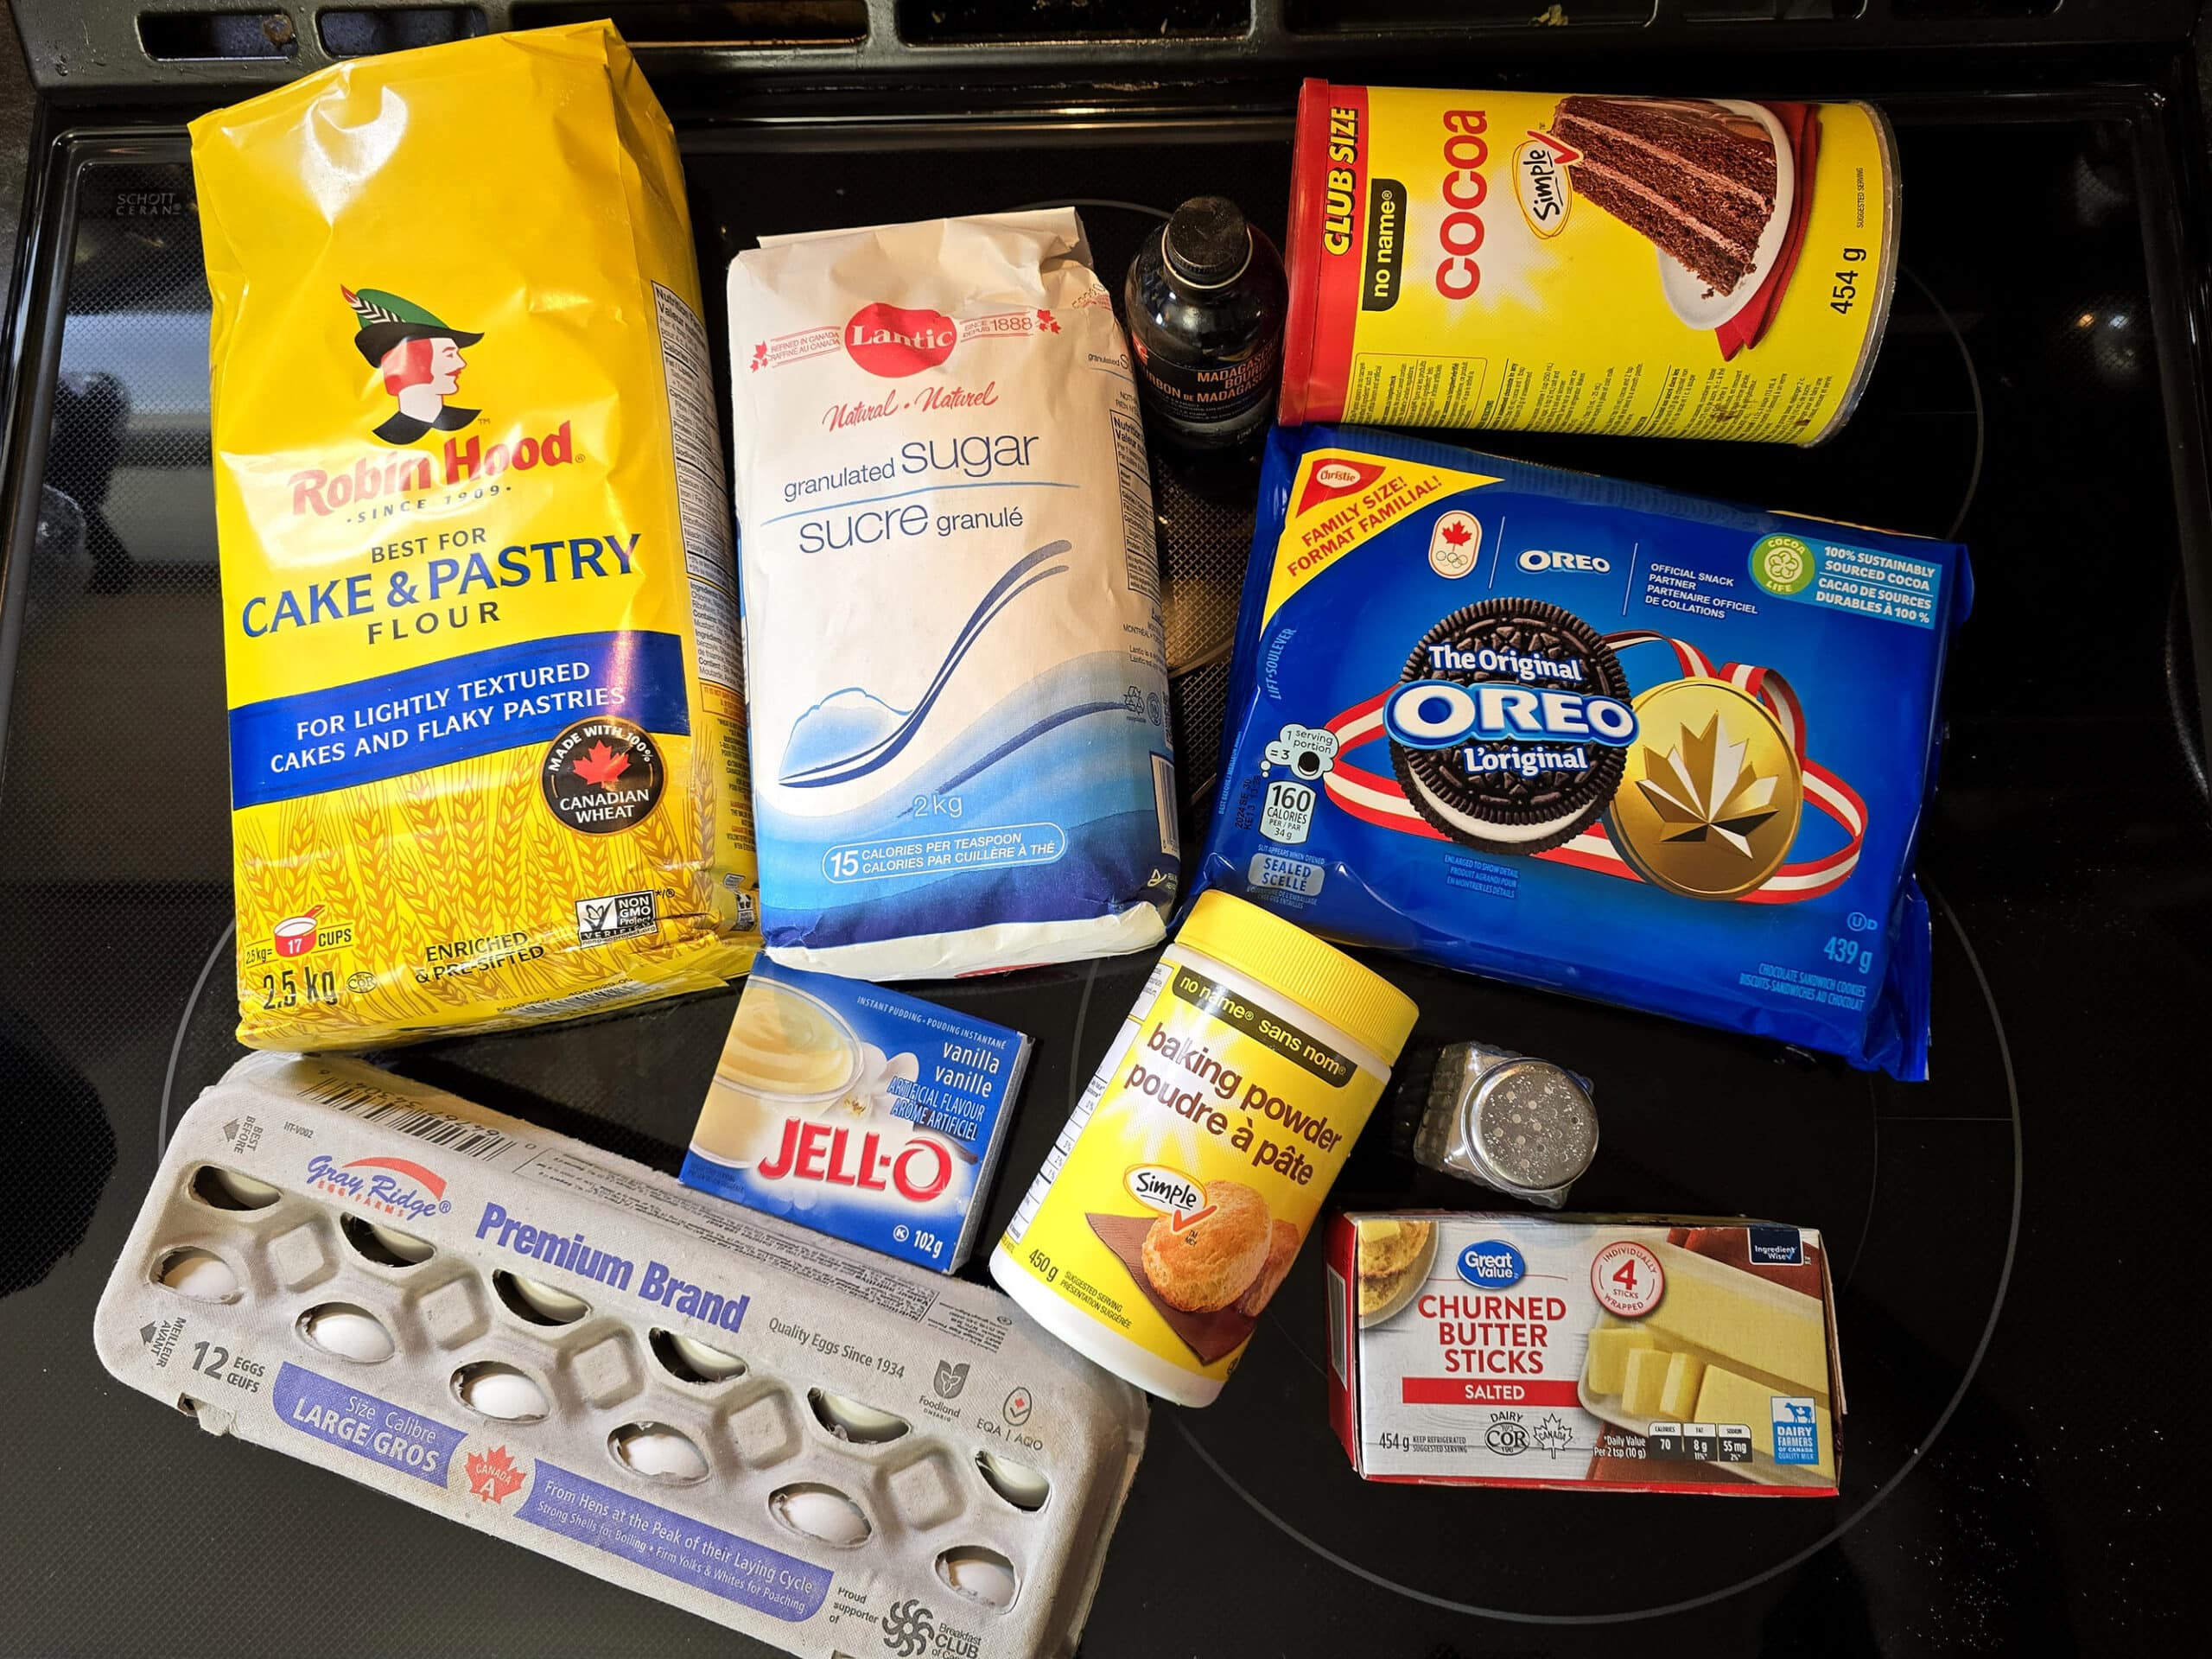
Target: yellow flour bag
{"x": 487, "y": 759}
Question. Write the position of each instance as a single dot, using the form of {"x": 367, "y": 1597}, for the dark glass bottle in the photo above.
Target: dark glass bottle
{"x": 1205, "y": 300}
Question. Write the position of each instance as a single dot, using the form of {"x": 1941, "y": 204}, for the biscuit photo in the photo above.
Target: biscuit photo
{"x": 1389, "y": 1252}
{"x": 1283, "y": 1250}
{"x": 1210, "y": 1263}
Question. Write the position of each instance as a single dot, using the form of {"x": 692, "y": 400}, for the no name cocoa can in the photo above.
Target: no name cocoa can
{"x": 1657, "y": 267}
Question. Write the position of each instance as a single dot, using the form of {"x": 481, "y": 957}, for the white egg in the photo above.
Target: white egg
{"x": 821, "y": 1512}
{"x": 227, "y": 1189}
{"x": 405, "y": 1246}
{"x": 984, "y": 1574}
{"x": 347, "y": 1331}
{"x": 658, "y": 1450}
{"x": 1021, "y": 1485}
{"x": 710, "y": 1364}
{"x": 849, "y": 1419}
{"x": 541, "y": 1302}
{"x": 500, "y": 1391}
{"x": 200, "y": 1274}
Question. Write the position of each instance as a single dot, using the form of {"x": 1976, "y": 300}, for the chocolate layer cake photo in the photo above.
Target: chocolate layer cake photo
{"x": 1696, "y": 178}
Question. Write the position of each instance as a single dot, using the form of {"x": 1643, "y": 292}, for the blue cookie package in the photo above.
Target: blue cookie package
{"x": 1592, "y": 736}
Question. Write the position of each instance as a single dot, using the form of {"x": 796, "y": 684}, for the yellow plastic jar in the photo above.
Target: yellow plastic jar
{"x": 1189, "y": 1174}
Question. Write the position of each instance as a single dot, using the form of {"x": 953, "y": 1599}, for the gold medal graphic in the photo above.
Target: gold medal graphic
{"x": 1713, "y": 794}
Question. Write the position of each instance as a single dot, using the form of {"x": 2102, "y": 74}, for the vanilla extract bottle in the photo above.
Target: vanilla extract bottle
{"x": 1205, "y": 300}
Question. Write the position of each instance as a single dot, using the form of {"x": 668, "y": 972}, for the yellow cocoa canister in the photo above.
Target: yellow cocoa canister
{"x": 1654, "y": 267}
{"x": 1190, "y": 1173}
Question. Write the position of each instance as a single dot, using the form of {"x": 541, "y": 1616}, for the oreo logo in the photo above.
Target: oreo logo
{"x": 1506, "y": 727}
{"x": 1493, "y": 1264}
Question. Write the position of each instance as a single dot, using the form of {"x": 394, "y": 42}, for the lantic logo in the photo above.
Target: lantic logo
{"x": 391, "y": 1186}
{"x": 893, "y": 341}
{"x": 419, "y": 356}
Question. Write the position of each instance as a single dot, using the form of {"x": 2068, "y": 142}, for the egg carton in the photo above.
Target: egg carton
{"x": 822, "y": 1447}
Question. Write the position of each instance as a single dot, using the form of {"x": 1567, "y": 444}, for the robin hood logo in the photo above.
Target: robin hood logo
{"x": 418, "y": 355}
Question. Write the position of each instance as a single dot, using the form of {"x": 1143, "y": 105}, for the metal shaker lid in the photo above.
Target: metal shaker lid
{"x": 1532, "y": 1126}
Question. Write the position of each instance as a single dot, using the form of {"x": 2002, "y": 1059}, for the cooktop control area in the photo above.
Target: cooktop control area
{"x": 1999, "y": 1244}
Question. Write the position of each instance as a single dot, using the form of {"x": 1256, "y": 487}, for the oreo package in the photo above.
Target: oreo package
{"x": 1590, "y": 736}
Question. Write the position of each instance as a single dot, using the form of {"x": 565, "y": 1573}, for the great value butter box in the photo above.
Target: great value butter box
{"x": 1637, "y": 1352}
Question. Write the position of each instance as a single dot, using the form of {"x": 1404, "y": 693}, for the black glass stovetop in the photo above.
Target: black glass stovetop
{"x": 2014, "y": 1294}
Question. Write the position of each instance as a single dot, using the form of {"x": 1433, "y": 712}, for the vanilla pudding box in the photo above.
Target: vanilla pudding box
{"x": 863, "y": 1114}
{"x": 1634, "y": 1352}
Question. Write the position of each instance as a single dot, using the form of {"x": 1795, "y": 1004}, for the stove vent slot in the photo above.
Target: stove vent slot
{"x": 709, "y": 22}
{"x": 967, "y": 23}
{"x": 1360, "y": 16}
{"x": 1906, "y": 12}
{"x": 198, "y": 36}
{"x": 1772, "y": 12}
{"x": 356, "y": 33}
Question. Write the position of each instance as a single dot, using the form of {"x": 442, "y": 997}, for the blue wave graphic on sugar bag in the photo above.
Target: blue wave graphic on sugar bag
{"x": 1056, "y": 792}
{"x": 852, "y": 732}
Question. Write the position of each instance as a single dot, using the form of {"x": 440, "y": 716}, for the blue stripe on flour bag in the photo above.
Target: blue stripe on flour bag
{"x": 396, "y": 1437}
{"x": 675, "y": 1545}
{"x": 339, "y": 736}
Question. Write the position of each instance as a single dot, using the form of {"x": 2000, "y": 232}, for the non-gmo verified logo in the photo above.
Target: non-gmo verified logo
{"x": 1493, "y": 1264}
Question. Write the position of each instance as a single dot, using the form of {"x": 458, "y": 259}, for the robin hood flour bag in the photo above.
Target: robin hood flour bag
{"x": 486, "y": 740}
{"x": 962, "y": 758}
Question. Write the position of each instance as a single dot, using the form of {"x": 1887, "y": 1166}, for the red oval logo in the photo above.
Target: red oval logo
{"x": 891, "y": 340}
{"x": 914, "y": 1187}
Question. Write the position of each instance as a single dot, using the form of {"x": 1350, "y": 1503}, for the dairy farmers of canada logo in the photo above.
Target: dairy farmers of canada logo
{"x": 391, "y": 1186}
{"x": 418, "y": 354}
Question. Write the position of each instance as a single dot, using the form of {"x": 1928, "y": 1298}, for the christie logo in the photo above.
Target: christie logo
{"x": 1493, "y": 1264}
{"x": 391, "y": 1186}
{"x": 893, "y": 342}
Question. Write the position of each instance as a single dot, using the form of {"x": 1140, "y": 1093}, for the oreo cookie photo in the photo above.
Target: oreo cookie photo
{"x": 1520, "y": 773}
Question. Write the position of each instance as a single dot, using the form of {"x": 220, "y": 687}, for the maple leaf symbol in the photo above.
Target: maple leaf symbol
{"x": 1047, "y": 323}
{"x": 1456, "y": 533}
{"x": 759, "y": 355}
{"x": 493, "y": 1476}
{"x": 1703, "y": 786}
{"x": 601, "y": 766}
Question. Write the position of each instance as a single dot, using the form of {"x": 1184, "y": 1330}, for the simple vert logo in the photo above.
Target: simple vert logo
{"x": 418, "y": 354}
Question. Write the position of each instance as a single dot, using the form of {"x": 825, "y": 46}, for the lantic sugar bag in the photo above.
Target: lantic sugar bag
{"x": 960, "y": 741}
{"x": 486, "y": 740}
{"x": 1590, "y": 736}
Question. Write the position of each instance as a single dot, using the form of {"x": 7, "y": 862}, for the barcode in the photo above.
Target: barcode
{"x": 623, "y": 991}
{"x": 1072, "y": 1131}
{"x": 373, "y": 1105}
{"x": 1163, "y": 806}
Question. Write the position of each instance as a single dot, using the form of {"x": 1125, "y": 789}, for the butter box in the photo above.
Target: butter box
{"x": 1637, "y": 1352}
{"x": 861, "y": 1113}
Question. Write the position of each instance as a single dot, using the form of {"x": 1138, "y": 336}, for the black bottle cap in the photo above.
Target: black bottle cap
{"x": 1208, "y": 242}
